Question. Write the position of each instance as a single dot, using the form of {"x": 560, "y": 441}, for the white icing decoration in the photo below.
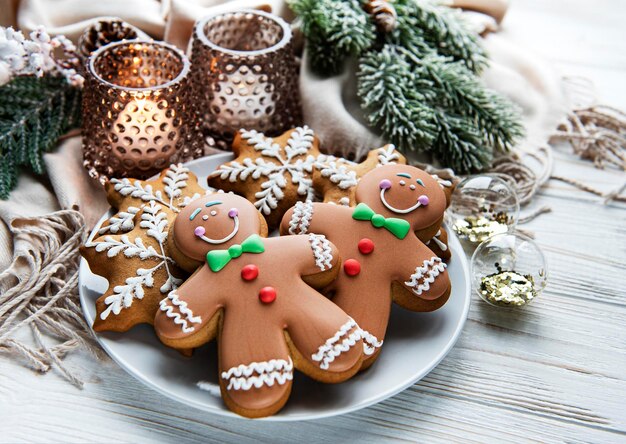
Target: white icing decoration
{"x": 188, "y": 199}
{"x": 301, "y": 218}
{"x": 442, "y": 246}
{"x": 130, "y": 248}
{"x": 332, "y": 348}
{"x": 155, "y": 222}
{"x": 370, "y": 342}
{"x": 345, "y": 201}
{"x": 338, "y": 173}
{"x": 258, "y": 374}
{"x": 272, "y": 189}
{"x": 144, "y": 192}
{"x": 322, "y": 251}
{"x": 387, "y": 155}
{"x": 183, "y": 310}
{"x": 232, "y": 234}
{"x": 175, "y": 180}
{"x": 396, "y": 210}
{"x": 122, "y": 221}
{"x": 427, "y": 273}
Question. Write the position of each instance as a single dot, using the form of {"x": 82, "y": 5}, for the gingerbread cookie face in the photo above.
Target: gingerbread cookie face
{"x": 383, "y": 258}
{"x": 407, "y": 192}
{"x": 132, "y": 251}
{"x": 221, "y": 220}
{"x": 256, "y": 296}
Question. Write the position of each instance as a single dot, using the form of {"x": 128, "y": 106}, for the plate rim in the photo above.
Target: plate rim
{"x": 453, "y": 243}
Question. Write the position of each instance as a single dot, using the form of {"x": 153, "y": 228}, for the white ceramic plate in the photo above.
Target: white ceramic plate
{"x": 414, "y": 345}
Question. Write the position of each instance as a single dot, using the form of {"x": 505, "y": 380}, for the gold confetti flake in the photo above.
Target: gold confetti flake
{"x": 508, "y": 288}
{"x": 479, "y": 228}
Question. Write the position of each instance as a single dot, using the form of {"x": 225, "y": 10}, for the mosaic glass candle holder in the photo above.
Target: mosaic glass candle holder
{"x": 245, "y": 75}
{"x": 483, "y": 206}
{"x": 138, "y": 113}
{"x": 509, "y": 270}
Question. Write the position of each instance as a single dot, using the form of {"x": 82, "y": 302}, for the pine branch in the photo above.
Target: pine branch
{"x": 460, "y": 145}
{"x": 431, "y": 104}
{"x": 34, "y": 113}
{"x": 496, "y": 117}
{"x": 442, "y": 28}
{"x": 396, "y": 99}
{"x": 417, "y": 82}
{"x": 335, "y": 30}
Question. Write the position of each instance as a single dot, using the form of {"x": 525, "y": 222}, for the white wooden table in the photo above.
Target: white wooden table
{"x": 553, "y": 372}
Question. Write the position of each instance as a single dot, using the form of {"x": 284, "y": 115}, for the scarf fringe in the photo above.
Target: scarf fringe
{"x": 39, "y": 291}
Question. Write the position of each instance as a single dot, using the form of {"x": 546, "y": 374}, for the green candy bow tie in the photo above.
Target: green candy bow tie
{"x": 398, "y": 227}
{"x": 218, "y": 259}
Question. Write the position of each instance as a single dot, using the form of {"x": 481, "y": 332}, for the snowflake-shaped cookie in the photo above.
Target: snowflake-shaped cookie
{"x": 274, "y": 174}
{"x": 131, "y": 251}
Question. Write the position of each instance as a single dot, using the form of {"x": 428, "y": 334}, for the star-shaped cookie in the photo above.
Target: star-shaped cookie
{"x": 131, "y": 249}
{"x": 273, "y": 173}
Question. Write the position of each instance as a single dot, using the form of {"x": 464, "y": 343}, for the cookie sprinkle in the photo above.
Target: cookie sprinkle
{"x": 508, "y": 288}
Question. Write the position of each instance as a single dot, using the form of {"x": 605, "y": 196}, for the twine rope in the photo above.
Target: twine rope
{"x": 596, "y": 133}
{"x": 39, "y": 291}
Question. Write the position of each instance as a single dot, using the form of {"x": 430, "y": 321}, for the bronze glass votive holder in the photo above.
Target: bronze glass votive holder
{"x": 138, "y": 111}
{"x": 245, "y": 74}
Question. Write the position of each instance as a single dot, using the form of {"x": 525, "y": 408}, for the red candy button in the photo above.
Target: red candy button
{"x": 352, "y": 267}
{"x": 267, "y": 295}
{"x": 249, "y": 272}
{"x": 366, "y": 246}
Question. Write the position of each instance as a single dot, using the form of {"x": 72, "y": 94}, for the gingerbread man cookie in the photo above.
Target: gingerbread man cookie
{"x": 255, "y": 295}
{"x": 379, "y": 241}
{"x": 131, "y": 250}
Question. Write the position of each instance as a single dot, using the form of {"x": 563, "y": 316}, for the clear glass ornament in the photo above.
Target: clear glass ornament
{"x": 483, "y": 206}
{"x": 509, "y": 270}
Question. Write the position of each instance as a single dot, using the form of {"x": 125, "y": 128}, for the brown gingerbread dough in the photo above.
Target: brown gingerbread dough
{"x": 131, "y": 249}
{"x": 255, "y": 295}
{"x": 381, "y": 242}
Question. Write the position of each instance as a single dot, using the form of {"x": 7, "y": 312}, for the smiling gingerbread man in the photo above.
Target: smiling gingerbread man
{"x": 384, "y": 259}
{"x": 255, "y": 294}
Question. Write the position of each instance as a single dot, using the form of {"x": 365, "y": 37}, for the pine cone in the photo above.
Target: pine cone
{"x": 104, "y": 32}
{"x": 384, "y": 13}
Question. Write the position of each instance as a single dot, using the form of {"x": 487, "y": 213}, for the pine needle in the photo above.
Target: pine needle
{"x": 34, "y": 113}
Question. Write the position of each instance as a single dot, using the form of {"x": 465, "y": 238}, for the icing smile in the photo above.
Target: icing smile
{"x": 385, "y": 184}
{"x": 200, "y": 231}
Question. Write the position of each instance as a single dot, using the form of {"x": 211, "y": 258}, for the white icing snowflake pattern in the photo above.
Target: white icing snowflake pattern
{"x": 387, "y": 155}
{"x": 154, "y": 221}
{"x": 296, "y": 161}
